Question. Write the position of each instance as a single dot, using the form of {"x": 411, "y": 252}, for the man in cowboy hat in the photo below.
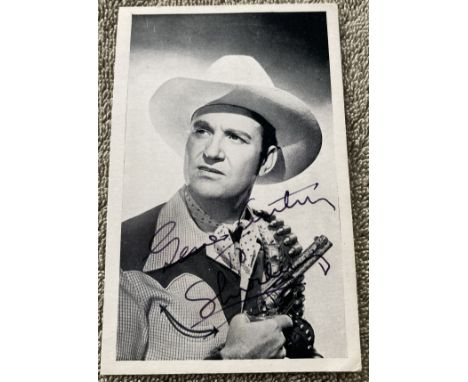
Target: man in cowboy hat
{"x": 192, "y": 269}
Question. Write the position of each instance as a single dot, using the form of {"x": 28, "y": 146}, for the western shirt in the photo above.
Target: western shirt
{"x": 179, "y": 285}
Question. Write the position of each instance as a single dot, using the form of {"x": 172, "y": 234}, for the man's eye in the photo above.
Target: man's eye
{"x": 235, "y": 138}
{"x": 200, "y": 131}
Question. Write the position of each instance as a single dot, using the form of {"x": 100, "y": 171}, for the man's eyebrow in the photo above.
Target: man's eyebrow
{"x": 202, "y": 125}
{"x": 240, "y": 133}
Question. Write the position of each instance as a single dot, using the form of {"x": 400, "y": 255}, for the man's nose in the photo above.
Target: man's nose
{"x": 214, "y": 151}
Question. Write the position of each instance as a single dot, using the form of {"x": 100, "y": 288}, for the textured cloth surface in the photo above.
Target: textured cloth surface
{"x": 353, "y": 19}
{"x": 152, "y": 317}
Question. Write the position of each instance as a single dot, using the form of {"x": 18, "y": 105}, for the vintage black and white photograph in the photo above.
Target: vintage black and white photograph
{"x": 229, "y": 232}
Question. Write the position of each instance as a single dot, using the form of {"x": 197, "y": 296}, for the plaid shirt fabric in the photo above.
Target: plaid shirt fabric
{"x": 179, "y": 304}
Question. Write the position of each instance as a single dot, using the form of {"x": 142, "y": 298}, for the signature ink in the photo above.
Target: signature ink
{"x": 159, "y": 244}
{"x": 209, "y": 308}
{"x": 182, "y": 329}
{"x": 287, "y": 204}
{"x": 162, "y": 240}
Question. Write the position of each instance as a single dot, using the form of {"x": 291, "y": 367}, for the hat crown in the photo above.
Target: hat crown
{"x": 238, "y": 70}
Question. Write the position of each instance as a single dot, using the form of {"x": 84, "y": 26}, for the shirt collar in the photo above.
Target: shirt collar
{"x": 177, "y": 236}
{"x": 205, "y": 221}
{"x": 201, "y": 218}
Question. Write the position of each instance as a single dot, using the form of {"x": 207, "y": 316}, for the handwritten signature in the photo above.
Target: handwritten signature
{"x": 160, "y": 242}
{"x": 208, "y": 309}
{"x": 162, "y": 239}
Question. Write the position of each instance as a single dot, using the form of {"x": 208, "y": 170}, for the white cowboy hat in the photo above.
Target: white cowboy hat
{"x": 240, "y": 81}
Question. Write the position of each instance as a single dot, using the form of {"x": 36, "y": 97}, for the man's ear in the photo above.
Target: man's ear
{"x": 269, "y": 162}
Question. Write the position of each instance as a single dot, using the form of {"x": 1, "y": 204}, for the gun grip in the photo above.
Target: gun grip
{"x": 300, "y": 339}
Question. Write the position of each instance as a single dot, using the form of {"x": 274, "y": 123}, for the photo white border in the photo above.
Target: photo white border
{"x": 109, "y": 365}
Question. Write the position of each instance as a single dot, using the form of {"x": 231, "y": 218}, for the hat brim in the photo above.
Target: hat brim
{"x": 297, "y": 131}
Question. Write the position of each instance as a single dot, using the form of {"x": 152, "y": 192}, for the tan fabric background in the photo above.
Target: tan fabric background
{"x": 354, "y": 30}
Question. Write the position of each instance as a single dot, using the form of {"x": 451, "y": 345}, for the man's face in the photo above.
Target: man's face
{"x": 222, "y": 155}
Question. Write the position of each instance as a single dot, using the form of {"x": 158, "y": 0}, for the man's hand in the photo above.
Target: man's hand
{"x": 258, "y": 339}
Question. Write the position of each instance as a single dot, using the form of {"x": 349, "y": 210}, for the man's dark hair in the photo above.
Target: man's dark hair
{"x": 268, "y": 139}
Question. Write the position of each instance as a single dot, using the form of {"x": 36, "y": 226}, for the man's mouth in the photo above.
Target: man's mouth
{"x": 210, "y": 169}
